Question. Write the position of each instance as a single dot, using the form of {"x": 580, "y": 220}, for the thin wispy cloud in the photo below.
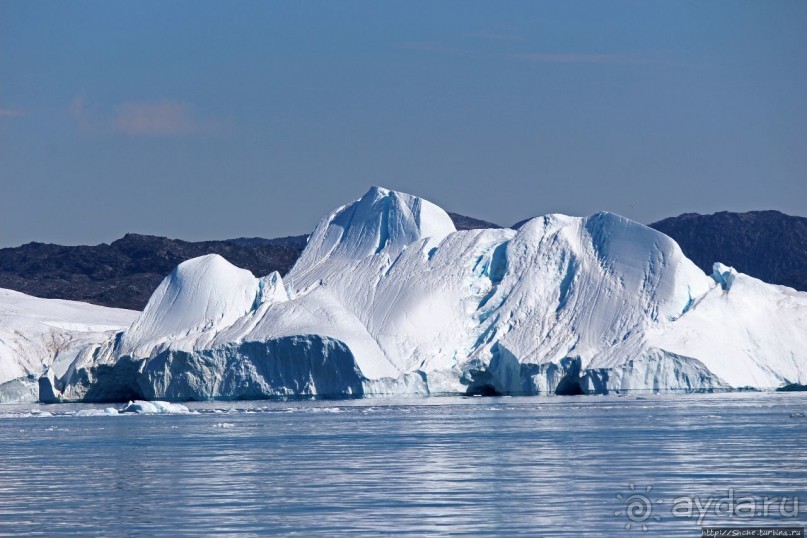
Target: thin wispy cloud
{"x": 11, "y": 113}
{"x": 576, "y": 58}
{"x": 162, "y": 118}
{"x": 441, "y": 48}
{"x": 430, "y": 46}
{"x": 490, "y": 35}
{"x": 77, "y": 112}
{"x": 76, "y": 107}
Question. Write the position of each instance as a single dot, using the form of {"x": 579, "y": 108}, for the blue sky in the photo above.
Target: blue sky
{"x": 209, "y": 120}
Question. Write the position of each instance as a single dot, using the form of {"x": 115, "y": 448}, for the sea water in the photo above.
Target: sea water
{"x": 540, "y": 466}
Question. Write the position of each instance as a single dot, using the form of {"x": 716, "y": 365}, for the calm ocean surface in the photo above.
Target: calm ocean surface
{"x": 542, "y": 466}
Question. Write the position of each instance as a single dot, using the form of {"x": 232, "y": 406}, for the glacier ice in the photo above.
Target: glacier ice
{"x": 38, "y": 334}
{"x": 106, "y": 412}
{"x": 187, "y": 307}
{"x": 388, "y": 298}
{"x": 152, "y": 407}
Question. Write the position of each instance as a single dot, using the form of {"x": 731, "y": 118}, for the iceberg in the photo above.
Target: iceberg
{"x": 39, "y": 334}
{"x": 388, "y": 298}
{"x": 150, "y": 408}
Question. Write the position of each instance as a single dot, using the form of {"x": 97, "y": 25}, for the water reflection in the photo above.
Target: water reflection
{"x": 507, "y": 466}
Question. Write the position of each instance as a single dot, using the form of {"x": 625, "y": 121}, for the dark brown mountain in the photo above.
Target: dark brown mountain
{"x": 461, "y": 222}
{"x": 125, "y": 273}
{"x": 768, "y": 245}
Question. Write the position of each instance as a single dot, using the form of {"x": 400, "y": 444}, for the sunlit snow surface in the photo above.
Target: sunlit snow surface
{"x": 389, "y": 299}
{"x": 38, "y": 333}
{"x": 474, "y": 466}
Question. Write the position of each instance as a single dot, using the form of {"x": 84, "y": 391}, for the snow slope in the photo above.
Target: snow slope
{"x": 389, "y": 298}
{"x": 198, "y": 299}
{"x": 38, "y": 333}
{"x": 750, "y": 334}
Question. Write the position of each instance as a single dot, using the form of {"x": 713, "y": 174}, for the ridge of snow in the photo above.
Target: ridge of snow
{"x": 381, "y": 221}
{"x": 389, "y": 298}
{"x": 35, "y": 333}
{"x": 201, "y": 297}
{"x": 750, "y": 334}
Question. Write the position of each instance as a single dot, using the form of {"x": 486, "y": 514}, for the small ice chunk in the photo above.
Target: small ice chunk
{"x": 109, "y": 411}
{"x": 224, "y": 425}
{"x": 723, "y": 275}
{"x": 90, "y": 413}
{"x": 155, "y": 407}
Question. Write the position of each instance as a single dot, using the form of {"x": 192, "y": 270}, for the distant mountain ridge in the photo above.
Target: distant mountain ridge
{"x": 461, "y": 222}
{"x": 126, "y": 272}
{"x": 768, "y": 245}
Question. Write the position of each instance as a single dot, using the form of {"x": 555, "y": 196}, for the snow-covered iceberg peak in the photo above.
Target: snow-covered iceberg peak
{"x": 588, "y": 288}
{"x": 380, "y": 221}
{"x": 201, "y": 296}
{"x": 271, "y": 290}
{"x": 650, "y": 266}
{"x": 389, "y": 298}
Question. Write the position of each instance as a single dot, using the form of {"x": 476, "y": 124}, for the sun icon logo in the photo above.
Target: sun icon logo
{"x": 638, "y": 507}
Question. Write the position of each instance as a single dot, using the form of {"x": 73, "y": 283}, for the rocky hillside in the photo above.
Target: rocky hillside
{"x": 768, "y": 245}
{"x": 124, "y": 273}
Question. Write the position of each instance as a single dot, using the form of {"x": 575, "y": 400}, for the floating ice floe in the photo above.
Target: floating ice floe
{"x": 106, "y": 412}
{"x": 154, "y": 407}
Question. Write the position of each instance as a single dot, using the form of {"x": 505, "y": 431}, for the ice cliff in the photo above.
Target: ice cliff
{"x": 388, "y": 298}
{"x": 37, "y": 334}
